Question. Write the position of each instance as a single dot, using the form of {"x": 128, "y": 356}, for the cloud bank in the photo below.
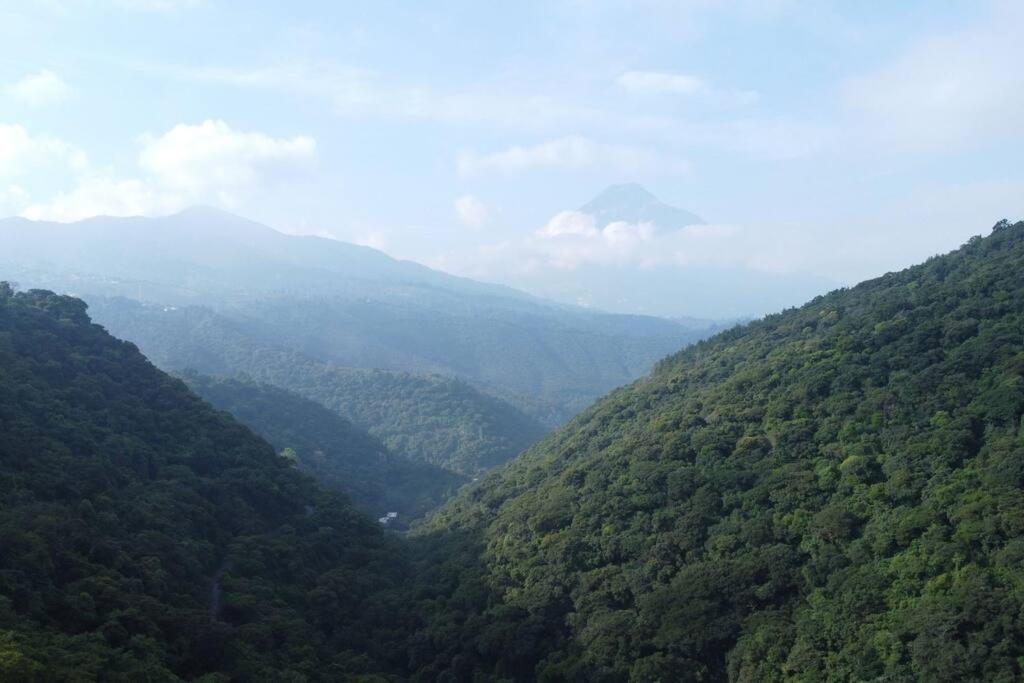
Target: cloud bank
{"x": 211, "y": 158}
{"x": 208, "y": 162}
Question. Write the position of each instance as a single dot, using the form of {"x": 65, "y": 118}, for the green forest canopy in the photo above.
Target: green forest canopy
{"x": 147, "y": 536}
{"x": 427, "y": 418}
{"x": 831, "y": 493}
{"x": 339, "y": 455}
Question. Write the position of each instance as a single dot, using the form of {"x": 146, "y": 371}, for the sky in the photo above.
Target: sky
{"x": 835, "y": 139}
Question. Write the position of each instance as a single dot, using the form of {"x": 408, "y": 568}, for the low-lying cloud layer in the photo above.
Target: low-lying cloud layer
{"x": 572, "y": 239}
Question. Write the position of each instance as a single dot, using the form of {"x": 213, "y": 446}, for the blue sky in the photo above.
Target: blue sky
{"x": 839, "y": 139}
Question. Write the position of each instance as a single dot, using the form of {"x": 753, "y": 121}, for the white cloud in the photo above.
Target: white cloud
{"x": 573, "y": 152}
{"x": 572, "y": 240}
{"x": 24, "y": 154}
{"x": 98, "y": 195}
{"x": 38, "y": 89}
{"x": 207, "y": 162}
{"x": 38, "y": 162}
{"x": 569, "y": 223}
{"x": 211, "y": 159}
{"x": 34, "y": 164}
{"x": 659, "y": 82}
{"x": 13, "y": 199}
{"x": 472, "y": 212}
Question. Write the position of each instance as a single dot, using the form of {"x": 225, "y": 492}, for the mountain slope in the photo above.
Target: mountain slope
{"x": 345, "y": 304}
{"x": 203, "y": 254}
{"x": 832, "y": 493}
{"x": 432, "y": 419}
{"x": 631, "y": 203}
{"x": 339, "y": 455}
{"x": 147, "y": 536}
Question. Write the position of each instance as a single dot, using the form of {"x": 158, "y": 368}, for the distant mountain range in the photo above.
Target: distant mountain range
{"x": 210, "y": 257}
{"x": 431, "y": 419}
{"x": 210, "y": 291}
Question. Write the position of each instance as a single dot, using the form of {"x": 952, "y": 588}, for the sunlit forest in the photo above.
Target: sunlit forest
{"x": 559, "y": 342}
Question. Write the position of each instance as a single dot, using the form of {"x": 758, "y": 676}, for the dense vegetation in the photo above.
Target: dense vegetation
{"x": 432, "y": 419}
{"x": 336, "y": 453}
{"x": 831, "y": 493}
{"x": 549, "y": 361}
{"x": 340, "y": 304}
{"x": 146, "y": 536}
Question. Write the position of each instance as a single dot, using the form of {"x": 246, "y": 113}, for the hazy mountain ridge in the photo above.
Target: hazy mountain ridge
{"x": 214, "y": 255}
{"x": 632, "y": 203}
{"x": 433, "y": 419}
{"x": 344, "y": 304}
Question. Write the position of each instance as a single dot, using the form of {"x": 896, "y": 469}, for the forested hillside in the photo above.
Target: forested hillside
{"x": 547, "y": 366}
{"x": 432, "y": 419}
{"x": 148, "y": 537}
{"x": 831, "y": 493}
{"x": 339, "y": 455}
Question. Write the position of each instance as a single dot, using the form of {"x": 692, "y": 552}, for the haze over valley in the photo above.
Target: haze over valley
{"x": 211, "y": 283}
{"x": 563, "y": 341}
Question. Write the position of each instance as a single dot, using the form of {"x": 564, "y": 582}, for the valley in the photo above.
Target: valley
{"x": 548, "y": 341}
{"x": 802, "y": 497}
